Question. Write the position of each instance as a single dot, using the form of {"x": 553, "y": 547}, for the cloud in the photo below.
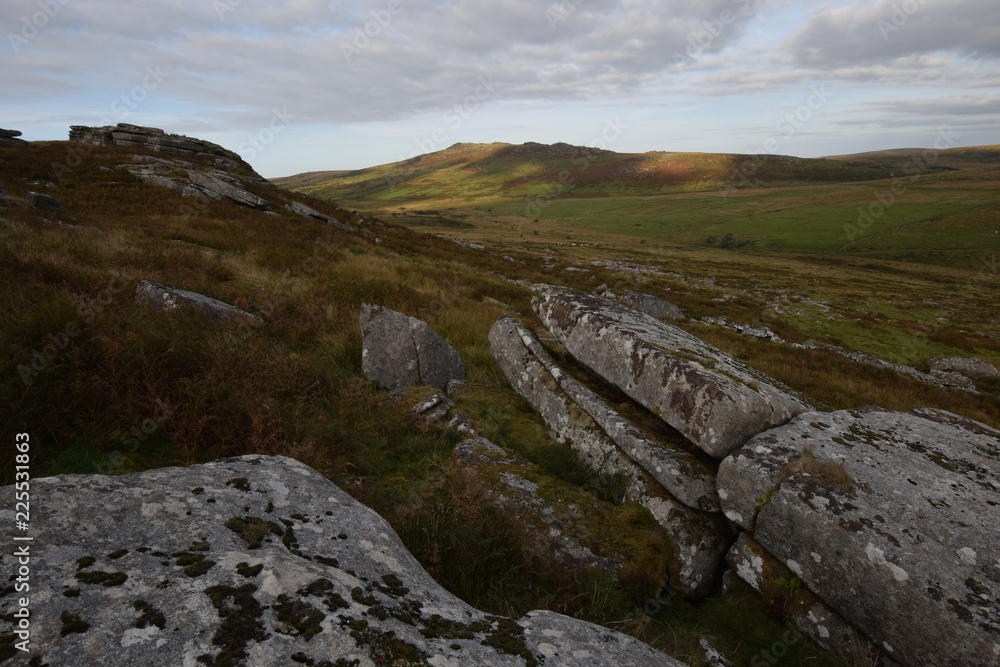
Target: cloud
{"x": 372, "y": 60}
{"x": 880, "y": 31}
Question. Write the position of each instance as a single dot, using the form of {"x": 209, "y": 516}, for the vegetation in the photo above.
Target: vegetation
{"x": 102, "y": 385}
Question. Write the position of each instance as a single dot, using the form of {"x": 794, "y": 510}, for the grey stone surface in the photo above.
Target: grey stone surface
{"x": 135, "y": 136}
{"x": 307, "y": 212}
{"x": 713, "y": 656}
{"x": 10, "y": 138}
{"x": 46, "y": 202}
{"x": 653, "y": 306}
{"x": 683, "y": 475}
{"x": 964, "y": 365}
{"x": 217, "y": 188}
{"x": 909, "y": 552}
{"x": 256, "y": 561}
{"x": 715, "y": 400}
{"x": 166, "y": 297}
{"x": 439, "y": 409}
{"x": 3, "y": 192}
{"x": 401, "y": 351}
{"x": 804, "y": 611}
{"x": 700, "y": 540}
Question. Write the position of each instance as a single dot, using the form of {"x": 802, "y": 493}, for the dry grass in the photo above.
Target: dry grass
{"x": 832, "y": 473}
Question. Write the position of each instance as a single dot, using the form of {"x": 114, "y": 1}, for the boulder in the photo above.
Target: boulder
{"x": 401, "y": 351}
{"x": 891, "y": 518}
{"x": 256, "y": 560}
{"x": 532, "y": 372}
{"x": 166, "y": 297}
{"x": 715, "y": 400}
{"x": 216, "y": 188}
{"x": 700, "y": 540}
{"x": 653, "y": 306}
{"x": 965, "y": 366}
{"x": 10, "y": 138}
{"x": 3, "y": 192}
{"x": 46, "y": 202}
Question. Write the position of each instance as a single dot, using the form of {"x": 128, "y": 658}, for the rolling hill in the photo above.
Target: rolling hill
{"x": 927, "y": 206}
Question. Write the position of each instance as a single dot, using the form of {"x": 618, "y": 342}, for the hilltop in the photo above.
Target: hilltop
{"x": 885, "y": 205}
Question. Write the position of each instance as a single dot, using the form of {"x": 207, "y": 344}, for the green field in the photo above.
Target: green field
{"x": 939, "y": 209}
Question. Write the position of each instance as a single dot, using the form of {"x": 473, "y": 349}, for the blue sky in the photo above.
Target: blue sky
{"x": 306, "y": 85}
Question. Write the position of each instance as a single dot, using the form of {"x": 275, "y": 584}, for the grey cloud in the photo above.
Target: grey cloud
{"x": 868, "y": 32}
{"x": 428, "y": 56}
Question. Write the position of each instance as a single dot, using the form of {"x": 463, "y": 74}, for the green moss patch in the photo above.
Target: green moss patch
{"x": 150, "y": 615}
{"x": 103, "y": 578}
{"x": 245, "y": 570}
{"x": 71, "y": 624}
{"x": 240, "y": 613}
{"x": 253, "y": 529}
{"x": 299, "y": 618}
{"x": 240, "y": 483}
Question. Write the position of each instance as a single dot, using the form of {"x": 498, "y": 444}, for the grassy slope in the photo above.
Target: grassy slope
{"x": 292, "y": 384}
{"x": 903, "y": 205}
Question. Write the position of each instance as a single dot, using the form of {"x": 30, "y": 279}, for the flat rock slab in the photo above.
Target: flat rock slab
{"x": 401, "y": 351}
{"x": 908, "y": 550}
{"x": 715, "y": 400}
{"x": 307, "y": 212}
{"x": 653, "y": 306}
{"x": 700, "y": 540}
{"x": 256, "y": 561}
{"x": 166, "y": 297}
{"x": 531, "y": 372}
{"x": 964, "y": 365}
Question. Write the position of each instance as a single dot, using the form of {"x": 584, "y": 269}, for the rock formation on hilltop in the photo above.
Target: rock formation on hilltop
{"x": 258, "y": 561}
{"x": 135, "y": 136}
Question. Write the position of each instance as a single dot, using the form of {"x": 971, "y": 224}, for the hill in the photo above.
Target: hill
{"x": 932, "y": 207}
{"x": 103, "y": 384}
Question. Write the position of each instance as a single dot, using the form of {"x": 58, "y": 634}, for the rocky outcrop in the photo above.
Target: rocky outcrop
{"x": 891, "y": 518}
{"x": 46, "y": 202}
{"x": 700, "y": 540}
{"x": 135, "y": 136}
{"x": 401, "y": 351}
{"x": 306, "y": 212}
{"x": 166, "y": 297}
{"x": 256, "y": 561}
{"x": 10, "y": 138}
{"x": 439, "y": 409}
{"x": 533, "y": 375}
{"x": 969, "y": 366}
{"x": 716, "y": 401}
{"x": 653, "y": 306}
{"x": 191, "y": 180}
{"x": 215, "y": 187}
{"x": 750, "y": 331}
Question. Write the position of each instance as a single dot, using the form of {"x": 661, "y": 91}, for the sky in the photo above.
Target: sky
{"x": 306, "y": 85}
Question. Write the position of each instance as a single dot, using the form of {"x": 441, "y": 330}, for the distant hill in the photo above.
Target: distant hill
{"x": 968, "y": 157}
{"x": 910, "y": 204}
{"x": 464, "y": 172}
